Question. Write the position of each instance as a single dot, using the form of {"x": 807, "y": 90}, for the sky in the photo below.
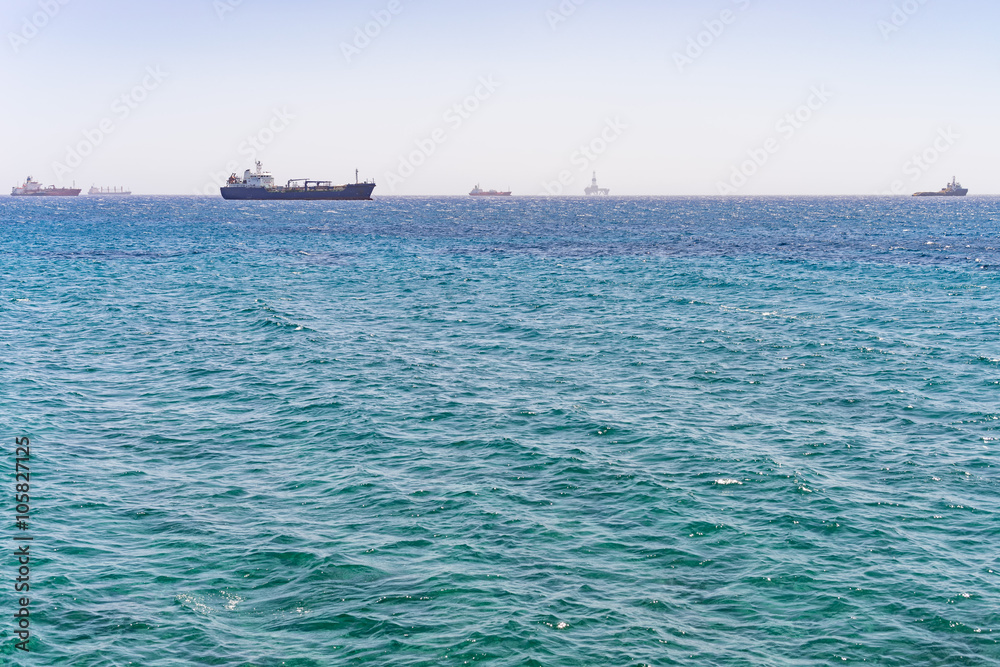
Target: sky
{"x": 432, "y": 97}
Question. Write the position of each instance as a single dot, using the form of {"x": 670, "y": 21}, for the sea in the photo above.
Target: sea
{"x": 521, "y": 432}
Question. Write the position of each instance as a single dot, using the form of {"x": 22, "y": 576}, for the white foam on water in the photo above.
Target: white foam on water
{"x": 194, "y": 604}
{"x": 231, "y": 600}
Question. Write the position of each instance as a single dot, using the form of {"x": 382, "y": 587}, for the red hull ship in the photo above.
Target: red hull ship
{"x": 33, "y": 188}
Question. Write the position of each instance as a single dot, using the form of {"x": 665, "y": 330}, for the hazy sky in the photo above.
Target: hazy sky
{"x": 165, "y": 96}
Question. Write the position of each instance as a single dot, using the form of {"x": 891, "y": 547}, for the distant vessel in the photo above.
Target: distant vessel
{"x": 953, "y": 189}
{"x": 108, "y": 191}
{"x": 259, "y": 184}
{"x": 33, "y": 188}
{"x": 595, "y": 190}
{"x": 479, "y": 192}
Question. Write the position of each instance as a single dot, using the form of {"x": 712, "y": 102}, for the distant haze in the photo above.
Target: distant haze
{"x": 744, "y": 97}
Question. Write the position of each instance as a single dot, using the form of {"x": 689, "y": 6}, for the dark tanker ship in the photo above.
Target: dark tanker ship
{"x": 259, "y": 185}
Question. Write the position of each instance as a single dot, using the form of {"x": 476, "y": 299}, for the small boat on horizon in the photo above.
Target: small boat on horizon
{"x": 479, "y": 192}
{"x": 953, "y": 189}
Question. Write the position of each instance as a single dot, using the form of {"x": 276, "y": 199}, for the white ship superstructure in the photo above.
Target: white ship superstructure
{"x": 253, "y": 179}
{"x": 30, "y": 186}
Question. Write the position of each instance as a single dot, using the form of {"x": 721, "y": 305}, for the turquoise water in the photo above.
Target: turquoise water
{"x": 527, "y": 432}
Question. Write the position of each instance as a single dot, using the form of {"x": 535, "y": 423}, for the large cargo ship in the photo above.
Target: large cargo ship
{"x": 259, "y": 184}
{"x": 479, "y": 192}
{"x": 33, "y": 188}
{"x": 103, "y": 192}
{"x": 953, "y": 189}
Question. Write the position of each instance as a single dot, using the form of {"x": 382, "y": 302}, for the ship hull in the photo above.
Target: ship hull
{"x": 353, "y": 192}
{"x": 52, "y": 192}
{"x": 491, "y": 194}
{"x": 956, "y": 193}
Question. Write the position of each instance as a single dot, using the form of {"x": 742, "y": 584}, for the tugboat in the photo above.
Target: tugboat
{"x": 595, "y": 190}
{"x": 33, "y": 188}
{"x": 259, "y": 184}
{"x": 103, "y": 192}
{"x": 479, "y": 192}
{"x": 953, "y": 189}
